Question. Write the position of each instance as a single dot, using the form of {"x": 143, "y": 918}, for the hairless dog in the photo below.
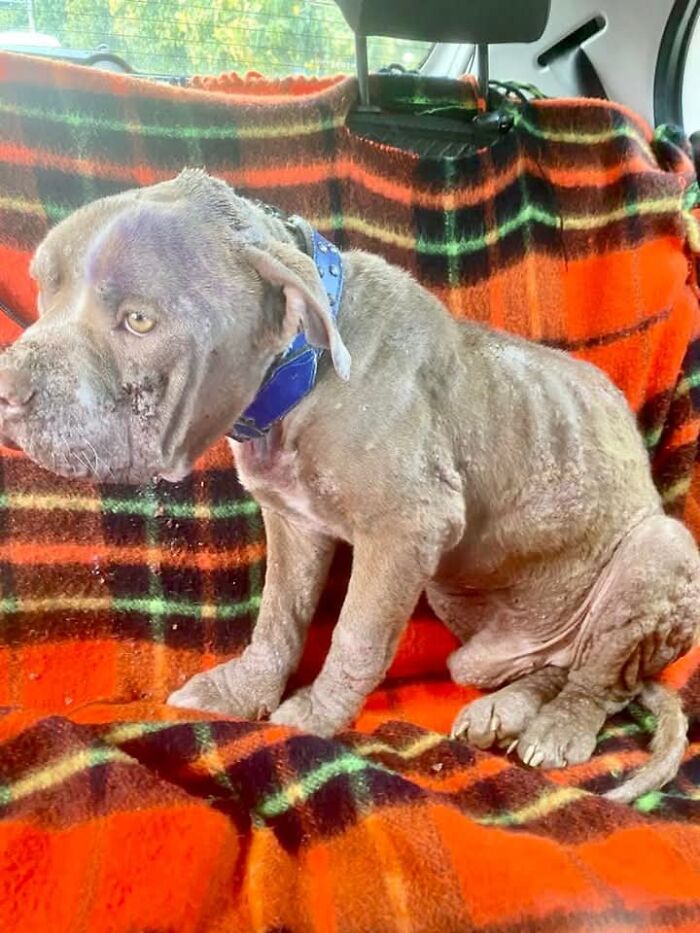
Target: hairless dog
{"x": 505, "y": 480}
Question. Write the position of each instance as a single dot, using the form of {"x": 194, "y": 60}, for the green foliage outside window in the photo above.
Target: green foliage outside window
{"x": 275, "y": 37}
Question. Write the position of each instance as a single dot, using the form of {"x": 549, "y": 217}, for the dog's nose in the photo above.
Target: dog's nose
{"x": 16, "y": 392}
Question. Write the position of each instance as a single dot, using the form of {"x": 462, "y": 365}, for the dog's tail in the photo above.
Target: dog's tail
{"x": 667, "y": 745}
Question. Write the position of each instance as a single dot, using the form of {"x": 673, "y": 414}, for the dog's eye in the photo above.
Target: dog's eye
{"x": 138, "y": 324}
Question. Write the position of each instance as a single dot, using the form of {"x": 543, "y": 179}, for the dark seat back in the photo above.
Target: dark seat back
{"x": 483, "y": 22}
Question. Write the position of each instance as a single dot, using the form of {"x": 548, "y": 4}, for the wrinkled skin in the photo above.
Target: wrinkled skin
{"x": 506, "y": 480}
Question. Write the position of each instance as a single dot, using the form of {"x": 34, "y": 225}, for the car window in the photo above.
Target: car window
{"x": 185, "y": 37}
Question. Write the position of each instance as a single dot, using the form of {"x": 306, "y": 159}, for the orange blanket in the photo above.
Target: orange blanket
{"x": 119, "y": 814}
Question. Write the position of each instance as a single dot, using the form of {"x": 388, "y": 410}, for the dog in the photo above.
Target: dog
{"x": 505, "y": 480}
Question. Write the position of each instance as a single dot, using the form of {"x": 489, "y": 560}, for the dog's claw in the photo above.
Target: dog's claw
{"x": 460, "y": 725}
{"x": 532, "y": 757}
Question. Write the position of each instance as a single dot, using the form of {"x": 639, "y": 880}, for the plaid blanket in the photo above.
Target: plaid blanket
{"x": 118, "y": 814}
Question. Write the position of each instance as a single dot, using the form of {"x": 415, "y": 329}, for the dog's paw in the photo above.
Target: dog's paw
{"x": 501, "y": 717}
{"x": 301, "y": 710}
{"x": 558, "y": 737}
{"x": 498, "y": 718}
{"x": 230, "y": 690}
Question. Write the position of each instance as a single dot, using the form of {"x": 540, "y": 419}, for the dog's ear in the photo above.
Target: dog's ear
{"x": 284, "y": 266}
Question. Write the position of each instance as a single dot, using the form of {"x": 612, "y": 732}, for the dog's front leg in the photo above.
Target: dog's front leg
{"x": 386, "y": 581}
{"x": 250, "y": 686}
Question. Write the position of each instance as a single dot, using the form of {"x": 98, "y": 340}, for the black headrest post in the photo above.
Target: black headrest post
{"x": 362, "y": 65}
{"x": 482, "y": 51}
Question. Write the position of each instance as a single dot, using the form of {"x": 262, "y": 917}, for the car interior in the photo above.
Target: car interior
{"x": 534, "y": 165}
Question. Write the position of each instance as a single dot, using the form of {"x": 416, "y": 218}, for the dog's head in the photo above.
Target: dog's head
{"x": 160, "y": 311}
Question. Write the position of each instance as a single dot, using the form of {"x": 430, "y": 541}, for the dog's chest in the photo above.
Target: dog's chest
{"x": 275, "y": 478}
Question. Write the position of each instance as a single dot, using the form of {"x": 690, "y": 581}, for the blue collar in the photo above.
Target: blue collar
{"x": 293, "y": 374}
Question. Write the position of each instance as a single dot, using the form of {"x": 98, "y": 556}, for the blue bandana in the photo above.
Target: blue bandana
{"x": 293, "y": 374}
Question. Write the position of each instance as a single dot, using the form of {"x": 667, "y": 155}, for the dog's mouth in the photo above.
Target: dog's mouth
{"x": 85, "y": 463}
{"x": 118, "y": 439}
{"x": 66, "y": 456}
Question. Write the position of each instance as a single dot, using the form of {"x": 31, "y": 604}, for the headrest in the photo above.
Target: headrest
{"x": 487, "y": 22}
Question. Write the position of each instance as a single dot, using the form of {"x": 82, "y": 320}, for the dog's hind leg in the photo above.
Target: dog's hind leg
{"x": 497, "y": 648}
{"x": 494, "y": 653}
{"x": 643, "y": 615}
